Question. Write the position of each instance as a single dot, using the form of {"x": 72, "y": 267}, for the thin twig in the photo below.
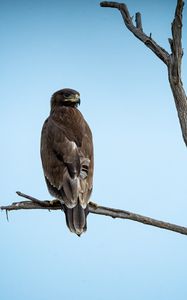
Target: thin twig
{"x": 95, "y": 209}
{"x": 138, "y": 21}
{"x": 36, "y": 201}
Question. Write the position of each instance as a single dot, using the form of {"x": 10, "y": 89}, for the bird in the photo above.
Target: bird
{"x": 67, "y": 157}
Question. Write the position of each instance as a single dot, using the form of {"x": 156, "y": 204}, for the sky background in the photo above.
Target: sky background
{"x": 140, "y": 157}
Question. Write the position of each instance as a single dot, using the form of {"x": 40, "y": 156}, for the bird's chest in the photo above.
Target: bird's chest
{"x": 72, "y": 123}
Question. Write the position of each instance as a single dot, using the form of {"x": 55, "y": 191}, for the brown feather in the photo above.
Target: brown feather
{"x": 67, "y": 160}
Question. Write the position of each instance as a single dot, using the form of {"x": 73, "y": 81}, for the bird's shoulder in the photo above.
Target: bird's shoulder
{"x": 68, "y": 122}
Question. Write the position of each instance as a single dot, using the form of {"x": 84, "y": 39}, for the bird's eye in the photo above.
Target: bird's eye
{"x": 67, "y": 95}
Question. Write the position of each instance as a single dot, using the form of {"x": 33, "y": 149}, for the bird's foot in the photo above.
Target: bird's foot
{"x": 54, "y": 202}
{"x": 93, "y": 204}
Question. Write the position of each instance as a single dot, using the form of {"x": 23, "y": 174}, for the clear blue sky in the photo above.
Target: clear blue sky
{"x": 140, "y": 157}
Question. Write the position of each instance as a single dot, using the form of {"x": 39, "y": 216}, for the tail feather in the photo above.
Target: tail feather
{"x": 69, "y": 218}
{"x": 79, "y": 218}
{"x": 76, "y": 218}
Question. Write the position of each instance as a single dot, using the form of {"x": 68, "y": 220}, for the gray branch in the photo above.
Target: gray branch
{"x": 138, "y": 29}
{"x": 173, "y": 61}
{"x": 174, "y": 69}
{"x": 94, "y": 209}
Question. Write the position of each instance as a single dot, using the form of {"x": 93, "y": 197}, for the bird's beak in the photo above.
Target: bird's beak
{"x": 77, "y": 99}
{"x": 74, "y": 98}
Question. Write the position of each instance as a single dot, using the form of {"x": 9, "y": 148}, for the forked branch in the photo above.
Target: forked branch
{"x": 34, "y": 203}
{"x": 172, "y": 61}
{"x": 138, "y": 29}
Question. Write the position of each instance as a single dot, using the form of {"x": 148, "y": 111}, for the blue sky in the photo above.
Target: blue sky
{"x": 140, "y": 157}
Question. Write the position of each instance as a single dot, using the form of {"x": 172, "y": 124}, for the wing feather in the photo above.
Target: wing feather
{"x": 67, "y": 158}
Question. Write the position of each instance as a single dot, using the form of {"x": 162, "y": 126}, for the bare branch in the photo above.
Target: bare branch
{"x": 176, "y": 44}
{"x": 95, "y": 209}
{"x": 174, "y": 69}
{"x": 36, "y": 201}
{"x": 172, "y": 61}
{"x": 137, "y": 30}
{"x": 176, "y": 29}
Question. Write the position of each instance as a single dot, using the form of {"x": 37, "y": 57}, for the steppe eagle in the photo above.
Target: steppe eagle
{"x": 67, "y": 157}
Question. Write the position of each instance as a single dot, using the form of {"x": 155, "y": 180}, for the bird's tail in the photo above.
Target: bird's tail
{"x": 76, "y": 218}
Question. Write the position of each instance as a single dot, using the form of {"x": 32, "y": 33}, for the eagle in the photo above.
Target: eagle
{"x": 67, "y": 157}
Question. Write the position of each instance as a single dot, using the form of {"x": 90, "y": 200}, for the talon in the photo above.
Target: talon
{"x": 93, "y": 204}
{"x": 54, "y": 202}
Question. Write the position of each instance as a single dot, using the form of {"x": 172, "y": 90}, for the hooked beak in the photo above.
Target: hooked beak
{"x": 77, "y": 99}
{"x": 74, "y": 98}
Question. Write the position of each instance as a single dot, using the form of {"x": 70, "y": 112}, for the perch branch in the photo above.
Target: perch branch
{"x": 173, "y": 61}
{"x": 95, "y": 209}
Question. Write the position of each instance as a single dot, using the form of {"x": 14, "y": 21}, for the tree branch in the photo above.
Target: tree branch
{"x": 173, "y": 61}
{"x": 94, "y": 209}
{"x": 138, "y": 29}
{"x": 174, "y": 69}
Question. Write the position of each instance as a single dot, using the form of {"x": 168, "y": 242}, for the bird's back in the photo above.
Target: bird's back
{"x": 67, "y": 159}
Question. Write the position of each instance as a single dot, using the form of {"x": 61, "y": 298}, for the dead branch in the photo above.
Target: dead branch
{"x": 173, "y": 61}
{"x": 138, "y": 29}
{"x": 94, "y": 209}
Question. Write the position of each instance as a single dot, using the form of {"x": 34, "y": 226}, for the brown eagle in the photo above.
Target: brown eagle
{"x": 67, "y": 157}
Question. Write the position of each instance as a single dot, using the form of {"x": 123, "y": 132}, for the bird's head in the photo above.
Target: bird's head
{"x": 65, "y": 97}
